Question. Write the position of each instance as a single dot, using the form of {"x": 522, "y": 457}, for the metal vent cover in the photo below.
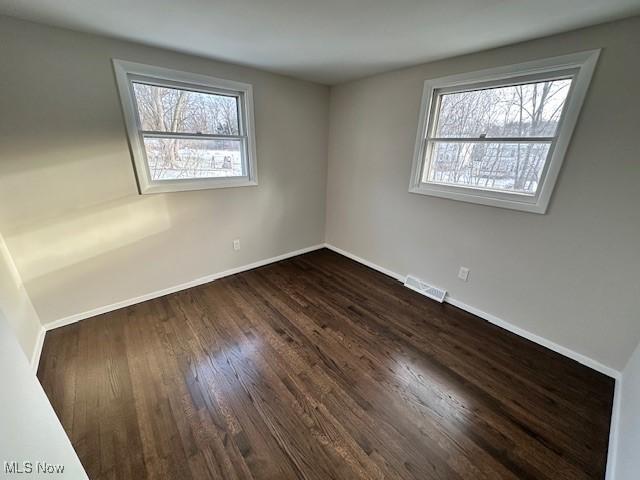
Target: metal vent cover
{"x": 425, "y": 289}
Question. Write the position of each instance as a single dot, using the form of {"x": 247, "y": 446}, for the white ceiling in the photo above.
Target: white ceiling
{"x": 328, "y": 41}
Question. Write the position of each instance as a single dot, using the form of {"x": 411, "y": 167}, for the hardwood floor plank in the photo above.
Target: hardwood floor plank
{"x": 318, "y": 367}
{"x": 417, "y": 419}
{"x": 509, "y": 394}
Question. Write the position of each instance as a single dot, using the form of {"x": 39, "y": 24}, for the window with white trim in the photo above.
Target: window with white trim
{"x": 187, "y": 131}
{"x": 498, "y": 137}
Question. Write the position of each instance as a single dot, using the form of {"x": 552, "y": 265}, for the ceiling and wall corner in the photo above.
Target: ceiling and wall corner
{"x": 331, "y": 41}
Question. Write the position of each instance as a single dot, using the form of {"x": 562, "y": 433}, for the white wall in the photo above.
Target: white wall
{"x": 627, "y": 466}
{"x": 31, "y": 431}
{"x": 16, "y": 305}
{"x": 82, "y": 238}
{"x": 571, "y": 275}
{"x": 80, "y": 234}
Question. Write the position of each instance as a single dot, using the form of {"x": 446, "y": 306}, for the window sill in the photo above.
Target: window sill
{"x": 169, "y": 186}
{"x": 489, "y": 198}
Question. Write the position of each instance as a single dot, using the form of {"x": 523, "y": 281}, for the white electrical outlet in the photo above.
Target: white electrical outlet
{"x": 236, "y": 244}
{"x": 463, "y": 274}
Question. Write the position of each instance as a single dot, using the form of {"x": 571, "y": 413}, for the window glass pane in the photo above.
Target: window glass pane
{"x": 173, "y": 158}
{"x": 509, "y": 167}
{"x": 529, "y": 110}
{"x": 163, "y": 109}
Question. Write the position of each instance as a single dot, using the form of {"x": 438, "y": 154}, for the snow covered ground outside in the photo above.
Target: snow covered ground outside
{"x": 193, "y": 163}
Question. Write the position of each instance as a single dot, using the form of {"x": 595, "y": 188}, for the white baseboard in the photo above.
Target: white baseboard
{"x": 37, "y": 350}
{"x": 176, "y": 288}
{"x": 589, "y": 362}
{"x": 389, "y": 273}
{"x": 578, "y": 357}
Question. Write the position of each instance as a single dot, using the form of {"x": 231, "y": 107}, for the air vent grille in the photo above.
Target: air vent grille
{"x": 425, "y": 289}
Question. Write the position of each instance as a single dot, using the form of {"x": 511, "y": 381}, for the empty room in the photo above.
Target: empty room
{"x": 343, "y": 239}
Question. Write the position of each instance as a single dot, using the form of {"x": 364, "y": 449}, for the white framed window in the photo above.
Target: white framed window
{"x": 187, "y": 131}
{"x": 498, "y": 137}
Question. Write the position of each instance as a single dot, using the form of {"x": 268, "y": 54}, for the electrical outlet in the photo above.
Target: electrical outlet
{"x": 236, "y": 244}
{"x": 463, "y": 274}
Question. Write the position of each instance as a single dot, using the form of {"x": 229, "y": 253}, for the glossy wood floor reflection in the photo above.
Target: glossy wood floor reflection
{"x": 320, "y": 368}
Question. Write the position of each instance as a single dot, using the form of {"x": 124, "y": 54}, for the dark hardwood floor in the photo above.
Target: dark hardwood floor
{"x": 320, "y": 368}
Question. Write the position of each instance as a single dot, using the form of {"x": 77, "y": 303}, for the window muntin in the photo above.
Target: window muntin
{"x": 187, "y": 131}
{"x": 473, "y": 146}
{"x": 189, "y": 134}
{"x": 495, "y": 138}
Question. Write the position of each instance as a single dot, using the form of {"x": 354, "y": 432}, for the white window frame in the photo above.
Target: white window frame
{"x": 129, "y": 72}
{"x": 580, "y": 65}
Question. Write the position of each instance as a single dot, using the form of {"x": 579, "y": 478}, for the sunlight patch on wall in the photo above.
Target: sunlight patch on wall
{"x": 50, "y": 246}
{"x": 7, "y": 261}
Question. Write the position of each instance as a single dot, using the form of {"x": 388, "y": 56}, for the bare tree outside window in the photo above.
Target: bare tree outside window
{"x": 495, "y": 138}
{"x": 498, "y": 136}
{"x": 171, "y": 120}
{"x": 187, "y": 131}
